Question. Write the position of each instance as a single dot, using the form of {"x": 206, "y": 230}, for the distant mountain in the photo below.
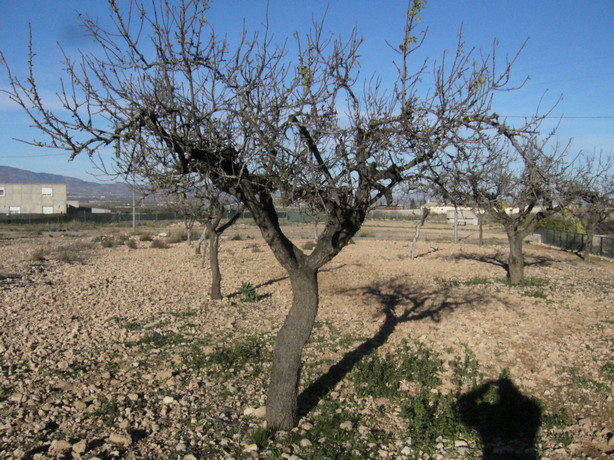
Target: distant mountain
{"x": 77, "y": 189}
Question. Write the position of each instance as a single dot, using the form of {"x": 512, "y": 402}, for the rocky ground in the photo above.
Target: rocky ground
{"x": 112, "y": 351}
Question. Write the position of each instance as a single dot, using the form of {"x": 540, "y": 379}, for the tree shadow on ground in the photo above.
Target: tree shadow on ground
{"x": 507, "y": 420}
{"x": 500, "y": 260}
{"x": 277, "y": 280}
{"x": 400, "y": 303}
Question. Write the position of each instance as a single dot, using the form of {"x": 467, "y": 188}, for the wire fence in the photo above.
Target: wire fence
{"x": 84, "y": 216}
{"x": 602, "y": 245}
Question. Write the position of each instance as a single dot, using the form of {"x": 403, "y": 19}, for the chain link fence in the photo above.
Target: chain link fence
{"x": 81, "y": 216}
{"x": 602, "y": 245}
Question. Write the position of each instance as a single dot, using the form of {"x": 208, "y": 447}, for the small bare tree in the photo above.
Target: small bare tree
{"x": 425, "y": 213}
{"x": 197, "y": 200}
{"x": 172, "y": 95}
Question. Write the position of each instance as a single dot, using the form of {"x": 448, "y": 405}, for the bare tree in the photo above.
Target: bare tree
{"x": 516, "y": 182}
{"x": 189, "y": 208}
{"x": 197, "y": 200}
{"x": 169, "y": 94}
{"x": 216, "y": 209}
{"x": 593, "y": 196}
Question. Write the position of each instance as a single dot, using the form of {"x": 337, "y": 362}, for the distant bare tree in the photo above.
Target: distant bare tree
{"x": 593, "y": 193}
{"x": 198, "y": 200}
{"x": 171, "y": 95}
{"x": 516, "y": 182}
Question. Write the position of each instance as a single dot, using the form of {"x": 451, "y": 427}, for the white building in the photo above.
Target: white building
{"x": 33, "y": 198}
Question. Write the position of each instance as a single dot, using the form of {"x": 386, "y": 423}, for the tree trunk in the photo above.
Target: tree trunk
{"x": 481, "y": 229}
{"x": 201, "y": 239}
{"x": 455, "y": 223}
{"x": 516, "y": 258}
{"x": 588, "y": 247}
{"x": 281, "y": 405}
{"x": 425, "y": 214}
{"x": 216, "y": 276}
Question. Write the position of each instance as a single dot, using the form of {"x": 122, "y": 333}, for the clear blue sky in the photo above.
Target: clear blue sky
{"x": 570, "y": 52}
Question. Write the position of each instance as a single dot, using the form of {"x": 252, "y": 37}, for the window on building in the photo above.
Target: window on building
{"x": 1, "y": 191}
{"x": 14, "y": 210}
{"x": 47, "y": 191}
{"x": 47, "y": 209}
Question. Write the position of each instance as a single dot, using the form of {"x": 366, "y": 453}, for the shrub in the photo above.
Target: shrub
{"x": 159, "y": 244}
{"x": 73, "y": 252}
{"x": 37, "y": 255}
{"x": 177, "y": 238}
{"x": 563, "y": 223}
{"x": 107, "y": 243}
{"x": 146, "y": 237}
{"x": 131, "y": 244}
{"x": 237, "y": 237}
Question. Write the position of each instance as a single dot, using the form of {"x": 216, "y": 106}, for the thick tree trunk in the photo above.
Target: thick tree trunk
{"x": 216, "y": 276}
{"x": 516, "y": 258}
{"x": 281, "y": 405}
{"x": 588, "y": 246}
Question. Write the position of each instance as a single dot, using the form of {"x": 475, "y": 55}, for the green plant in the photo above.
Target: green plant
{"x": 381, "y": 377}
{"x": 477, "y": 281}
{"x": 146, "y": 237}
{"x": 247, "y": 293}
{"x": 236, "y": 237}
{"x": 131, "y": 244}
{"x": 108, "y": 410}
{"x": 431, "y": 416}
{"x": 535, "y": 294}
{"x": 448, "y": 283}
{"x": 377, "y": 377}
{"x": 556, "y": 419}
{"x": 261, "y": 437}
{"x": 157, "y": 340}
{"x": 586, "y": 382}
{"x": 238, "y": 354}
{"x": 132, "y": 326}
{"x": 608, "y": 370}
{"x": 465, "y": 371}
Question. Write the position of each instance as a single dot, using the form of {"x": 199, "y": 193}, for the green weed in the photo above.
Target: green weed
{"x": 158, "y": 340}
{"x": 247, "y": 293}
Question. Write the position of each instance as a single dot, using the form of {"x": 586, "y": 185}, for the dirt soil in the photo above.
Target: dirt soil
{"x": 93, "y": 339}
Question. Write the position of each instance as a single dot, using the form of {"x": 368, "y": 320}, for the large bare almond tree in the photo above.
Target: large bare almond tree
{"x": 263, "y": 119}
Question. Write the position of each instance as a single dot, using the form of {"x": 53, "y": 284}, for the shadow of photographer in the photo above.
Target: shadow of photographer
{"x": 507, "y": 420}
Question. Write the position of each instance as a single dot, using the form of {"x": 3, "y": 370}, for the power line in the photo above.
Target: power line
{"x": 35, "y": 156}
{"x": 597, "y": 117}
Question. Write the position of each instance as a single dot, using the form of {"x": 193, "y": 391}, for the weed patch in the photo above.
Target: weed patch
{"x": 247, "y": 293}
{"x": 158, "y": 340}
